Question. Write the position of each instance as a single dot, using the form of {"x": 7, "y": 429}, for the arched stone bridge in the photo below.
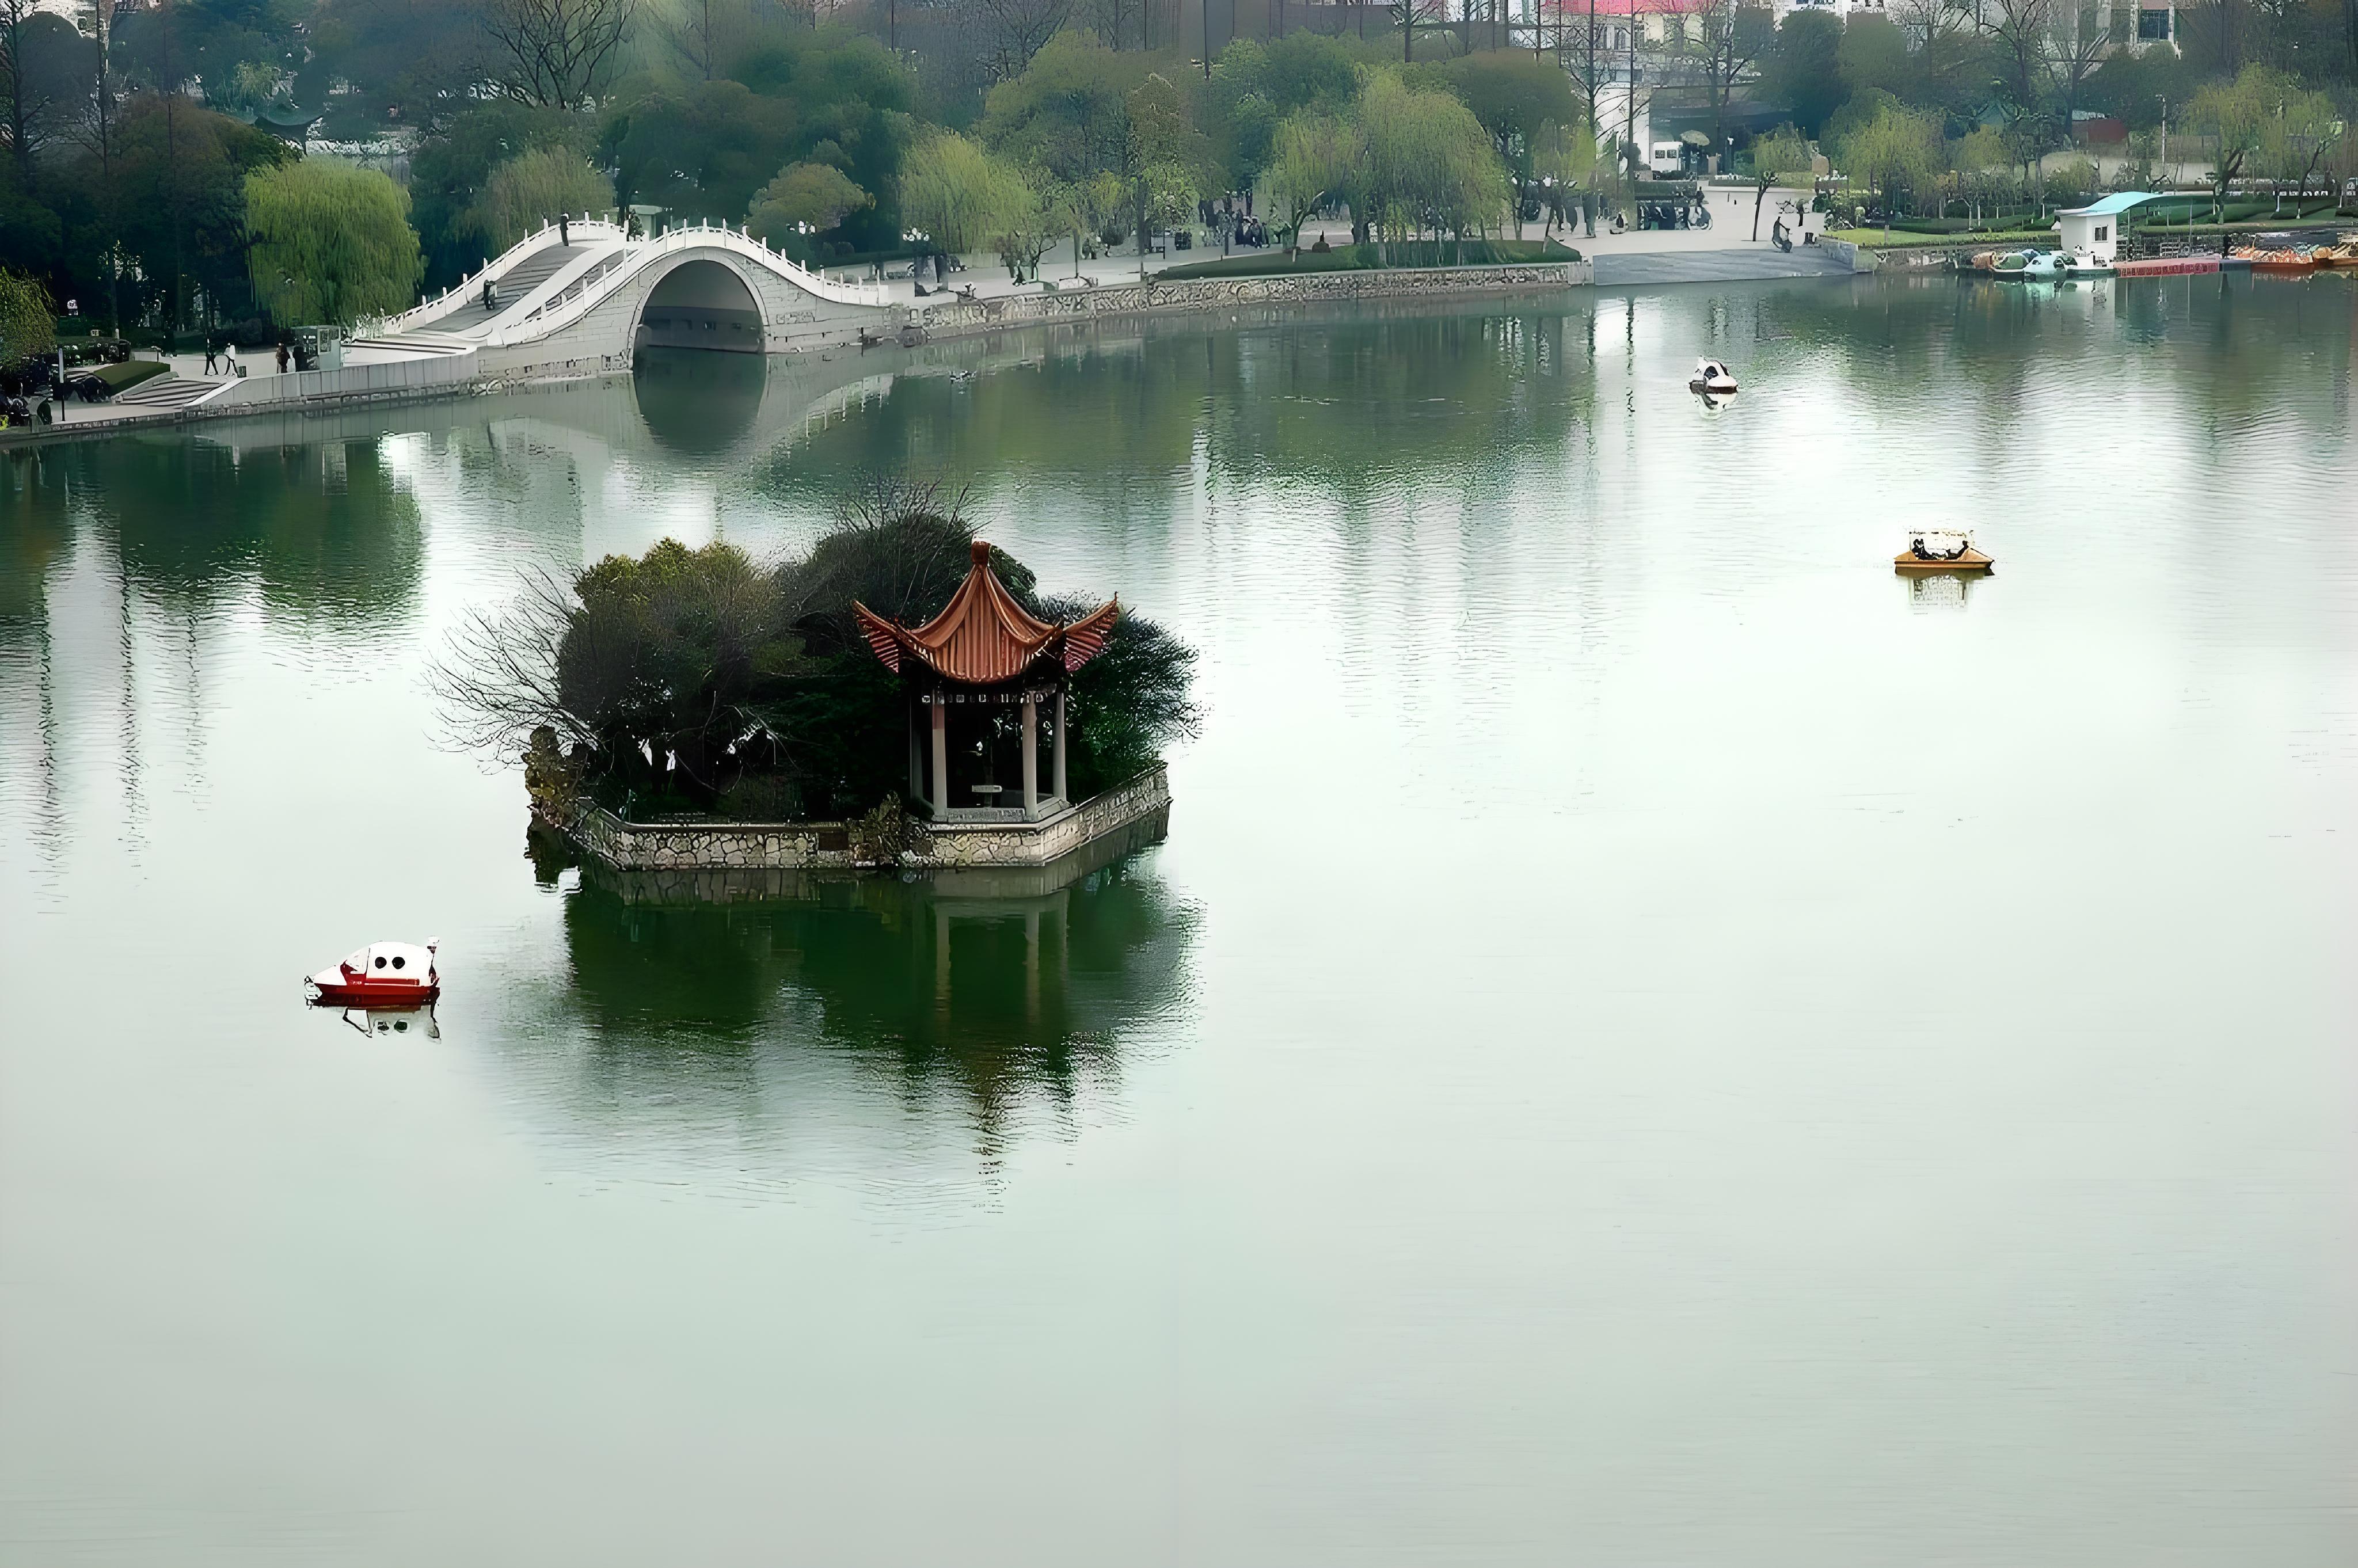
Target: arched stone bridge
{"x": 592, "y": 298}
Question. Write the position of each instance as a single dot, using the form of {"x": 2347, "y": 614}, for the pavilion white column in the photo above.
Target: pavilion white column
{"x": 1061, "y": 748}
{"x": 941, "y": 756}
{"x": 1031, "y": 754}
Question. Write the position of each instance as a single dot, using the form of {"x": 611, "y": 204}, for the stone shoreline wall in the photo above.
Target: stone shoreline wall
{"x": 829, "y": 846}
{"x": 963, "y": 318}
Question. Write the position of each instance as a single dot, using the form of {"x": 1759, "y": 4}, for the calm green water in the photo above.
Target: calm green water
{"x": 1649, "y": 1041}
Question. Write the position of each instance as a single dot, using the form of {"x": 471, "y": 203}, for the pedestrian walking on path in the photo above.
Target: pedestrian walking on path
{"x": 212, "y": 359}
{"x": 281, "y": 358}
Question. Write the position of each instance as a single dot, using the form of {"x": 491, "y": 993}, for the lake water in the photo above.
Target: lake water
{"x": 1651, "y": 1040}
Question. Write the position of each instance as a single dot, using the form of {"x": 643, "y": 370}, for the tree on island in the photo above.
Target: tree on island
{"x": 700, "y": 681}
{"x": 329, "y": 243}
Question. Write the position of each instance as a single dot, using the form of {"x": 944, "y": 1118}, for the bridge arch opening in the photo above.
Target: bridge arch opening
{"x": 700, "y": 305}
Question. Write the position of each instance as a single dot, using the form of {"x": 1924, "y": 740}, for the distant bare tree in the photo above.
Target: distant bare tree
{"x": 1015, "y": 30}
{"x": 1118, "y": 21}
{"x": 2021, "y": 38}
{"x": 2083, "y": 37}
{"x": 1926, "y": 22}
{"x": 557, "y": 51}
{"x": 1722, "y": 40}
{"x": 712, "y": 36}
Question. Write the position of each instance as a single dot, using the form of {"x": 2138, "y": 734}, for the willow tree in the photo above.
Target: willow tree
{"x": 1895, "y": 152}
{"x": 26, "y": 325}
{"x": 1316, "y": 158}
{"x": 329, "y": 243}
{"x": 2298, "y": 144}
{"x": 2235, "y": 116}
{"x": 1168, "y": 157}
{"x": 1430, "y": 163}
{"x": 1779, "y": 153}
{"x": 536, "y": 188}
{"x": 948, "y": 186}
{"x": 1028, "y": 215}
{"x": 1563, "y": 159}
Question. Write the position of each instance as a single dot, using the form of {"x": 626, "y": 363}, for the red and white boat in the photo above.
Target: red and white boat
{"x": 383, "y": 974}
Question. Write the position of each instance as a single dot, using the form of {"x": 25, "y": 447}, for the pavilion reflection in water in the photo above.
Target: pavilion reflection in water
{"x": 1008, "y": 986}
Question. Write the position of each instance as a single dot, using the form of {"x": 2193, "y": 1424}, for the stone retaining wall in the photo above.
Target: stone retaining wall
{"x": 829, "y": 845}
{"x": 994, "y": 882}
{"x": 1857, "y": 260}
{"x": 965, "y": 318}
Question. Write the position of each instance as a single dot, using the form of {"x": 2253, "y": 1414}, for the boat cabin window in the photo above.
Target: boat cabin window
{"x": 398, "y": 961}
{"x": 380, "y": 963}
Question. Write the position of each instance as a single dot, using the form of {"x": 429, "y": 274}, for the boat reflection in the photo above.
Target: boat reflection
{"x": 997, "y": 997}
{"x": 389, "y": 1020}
{"x": 1942, "y": 591}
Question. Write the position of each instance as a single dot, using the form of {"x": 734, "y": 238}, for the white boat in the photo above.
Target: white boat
{"x": 2026, "y": 266}
{"x": 1712, "y": 377}
{"x": 383, "y": 974}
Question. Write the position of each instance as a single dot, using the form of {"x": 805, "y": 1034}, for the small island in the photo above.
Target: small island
{"x": 902, "y": 699}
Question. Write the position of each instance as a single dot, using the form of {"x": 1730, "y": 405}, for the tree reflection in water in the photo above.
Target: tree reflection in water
{"x": 754, "y": 1022}
{"x": 323, "y": 530}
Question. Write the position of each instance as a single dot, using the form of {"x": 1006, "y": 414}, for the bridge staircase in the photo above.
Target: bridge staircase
{"x": 167, "y": 392}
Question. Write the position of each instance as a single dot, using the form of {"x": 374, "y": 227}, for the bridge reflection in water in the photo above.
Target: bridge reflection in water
{"x": 786, "y": 1001}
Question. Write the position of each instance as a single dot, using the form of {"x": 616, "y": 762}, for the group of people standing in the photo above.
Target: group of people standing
{"x": 220, "y": 359}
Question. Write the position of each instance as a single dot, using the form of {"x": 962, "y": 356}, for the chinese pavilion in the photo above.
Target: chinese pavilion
{"x": 985, "y": 677}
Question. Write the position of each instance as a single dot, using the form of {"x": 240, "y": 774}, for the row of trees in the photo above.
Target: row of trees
{"x": 125, "y": 187}
{"x": 2030, "y": 70}
{"x": 2262, "y": 123}
{"x": 127, "y": 153}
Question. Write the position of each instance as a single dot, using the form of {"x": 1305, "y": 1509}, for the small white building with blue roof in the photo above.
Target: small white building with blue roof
{"x": 2095, "y": 230}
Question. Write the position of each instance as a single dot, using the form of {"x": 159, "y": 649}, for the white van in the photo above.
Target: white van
{"x": 1668, "y": 160}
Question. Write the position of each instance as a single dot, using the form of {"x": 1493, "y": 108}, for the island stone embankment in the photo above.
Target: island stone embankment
{"x": 679, "y": 854}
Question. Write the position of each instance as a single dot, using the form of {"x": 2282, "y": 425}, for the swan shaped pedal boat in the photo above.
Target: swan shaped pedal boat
{"x": 1712, "y": 377}
{"x": 1939, "y": 550}
{"x": 383, "y": 974}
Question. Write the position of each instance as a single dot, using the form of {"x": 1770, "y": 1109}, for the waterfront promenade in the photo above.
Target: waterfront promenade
{"x": 441, "y": 350}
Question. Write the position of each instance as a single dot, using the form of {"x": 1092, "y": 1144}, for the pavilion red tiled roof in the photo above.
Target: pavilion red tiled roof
{"x": 983, "y": 636}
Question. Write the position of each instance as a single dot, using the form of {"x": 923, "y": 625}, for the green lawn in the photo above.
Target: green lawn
{"x": 1365, "y": 258}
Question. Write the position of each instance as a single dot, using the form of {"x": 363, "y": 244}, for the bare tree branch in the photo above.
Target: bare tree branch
{"x": 558, "y": 50}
